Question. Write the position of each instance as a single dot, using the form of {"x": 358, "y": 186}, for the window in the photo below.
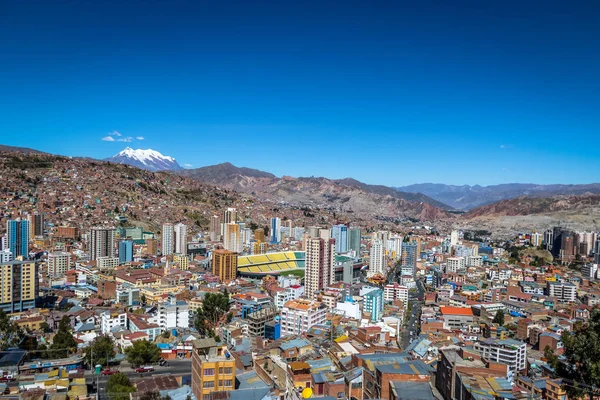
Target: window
{"x": 208, "y": 384}
{"x": 228, "y": 383}
{"x": 228, "y": 370}
{"x": 209, "y": 371}
{"x": 221, "y": 370}
{"x": 207, "y": 396}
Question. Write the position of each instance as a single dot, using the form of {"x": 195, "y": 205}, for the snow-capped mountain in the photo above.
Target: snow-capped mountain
{"x": 149, "y": 159}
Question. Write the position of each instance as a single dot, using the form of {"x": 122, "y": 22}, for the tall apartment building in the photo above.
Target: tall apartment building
{"x": 298, "y": 316}
{"x": 373, "y": 304}
{"x": 589, "y": 271}
{"x": 36, "y": 224}
{"x": 58, "y": 263}
{"x": 259, "y": 235}
{"x": 125, "y": 251}
{"x": 213, "y": 370}
{"x": 151, "y": 246}
{"x": 454, "y": 264}
{"x": 396, "y": 292}
{"x": 275, "y": 231}
{"x": 536, "y": 239}
{"x": 215, "y": 228}
{"x": 18, "y": 285}
{"x": 409, "y": 254}
{"x": 224, "y": 264}
{"x": 320, "y": 262}
{"x": 505, "y": 351}
{"x": 394, "y": 247}
{"x": 354, "y": 240}
{"x": 376, "y": 259}
{"x": 340, "y": 234}
{"x": 17, "y": 233}
{"x": 102, "y": 243}
{"x": 564, "y": 291}
{"x": 180, "y": 238}
{"x": 168, "y": 239}
{"x": 232, "y": 238}
{"x": 229, "y": 216}
{"x": 5, "y": 256}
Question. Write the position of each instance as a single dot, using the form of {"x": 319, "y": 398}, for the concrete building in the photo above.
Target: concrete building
{"x": 18, "y": 236}
{"x": 454, "y": 264}
{"x": 456, "y": 317}
{"x": 168, "y": 239}
{"x": 340, "y": 234}
{"x": 224, "y": 264}
{"x": 215, "y": 228}
{"x": 589, "y": 271}
{"x": 102, "y": 243}
{"x": 18, "y": 285}
{"x": 320, "y": 262}
{"x": 564, "y": 291}
{"x": 409, "y": 254}
{"x": 373, "y": 304}
{"x": 5, "y": 256}
{"x": 173, "y": 314}
{"x": 125, "y": 251}
{"x": 396, "y": 292}
{"x": 289, "y": 293}
{"x": 354, "y": 236}
{"x": 232, "y": 239}
{"x": 111, "y": 319}
{"x": 300, "y": 315}
{"x": 58, "y": 263}
{"x": 106, "y": 263}
{"x": 376, "y": 259}
{"x": 505, "y": 351}
{"x": 36, "y": 224}
{"x": 213, "y": 370}
{"x": 180, "y": 231}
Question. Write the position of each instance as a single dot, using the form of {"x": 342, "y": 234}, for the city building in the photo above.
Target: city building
{"x": 110, "y": 319}
{"x": 298, "y": 316}
{"x": 456, "y": 317}
{"x": 173, "y": 314}
{"x": 125, "y": 251}
{"x": 232, "y": 239}
{"x": 58, "y": 263}
{"x": 102, "y": 243}
{"x": 17, "y": 233}
{"x": 376, "y": 259}
{"x": 354, "y": 240}
{"x": 373, "y": 304}
{"x": 18, "y": 285}
{"x": 215, "y": 228}
{"x": 180, "y": 231}
{"x": 275, "y": 231}
{"x": 505, "y": 351}
{"x": 340, "y": 234}
{"x": 224, "y": 264}
{"x": 36, "y": 224}
{"x": 106, "y": 263}
{"x": 5, "y": 256}
{"x": 320, "y": 261}
{"x": 563, "y": 291}
{"x": 168, "y": 242}
{"x": 396, "y": 292}
{"x": 589, "y": 271}
{"x": 454, "y": 264}
{"x": 409, "y": 254}
{"x": 213, "y": 370}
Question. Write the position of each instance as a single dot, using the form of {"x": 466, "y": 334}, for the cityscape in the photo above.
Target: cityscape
{"x": 299, "y": 200}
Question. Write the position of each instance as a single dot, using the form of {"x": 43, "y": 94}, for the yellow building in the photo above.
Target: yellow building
{"x": 182, "y": 261}
{"x": 213, "y": 369}
{"x": 224, "y": 264}
{"x": 18, "y": 285}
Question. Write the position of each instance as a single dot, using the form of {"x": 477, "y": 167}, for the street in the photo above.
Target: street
{"x": 413, "y": 323}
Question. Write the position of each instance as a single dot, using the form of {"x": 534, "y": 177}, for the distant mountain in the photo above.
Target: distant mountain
{"x": 467, "y": 197}
{"x": 344, "y": 195}
{"x": 23, "y": 150}
{"x": 150, "y": 160}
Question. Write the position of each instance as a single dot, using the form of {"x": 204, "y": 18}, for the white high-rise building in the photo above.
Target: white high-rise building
{"x": 102, "y": 243}
{"x": 340, "y": 234}
{"x": 377, "y": 259}
{"x": 180, "y": 238}
{"x": 168, "y": 243}
{"x": 454, "y": 238}
{"x": 320, "y": 265}
{"x": 232, "y": 238}
{"x": 5, "y": 256}
{"x": 394, "y": 247}
{"x": 58, "y": 263}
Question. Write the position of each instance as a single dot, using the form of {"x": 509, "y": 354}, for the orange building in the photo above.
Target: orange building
{"x": 224, "y": 264}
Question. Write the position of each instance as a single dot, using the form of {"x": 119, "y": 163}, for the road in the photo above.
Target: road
{"x": 413, "y": 323}
{"x": 176, "y": 367}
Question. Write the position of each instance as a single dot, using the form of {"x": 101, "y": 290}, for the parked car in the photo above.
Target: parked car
{"x": 140, "y": 370}
{"x": 108, "y": 372}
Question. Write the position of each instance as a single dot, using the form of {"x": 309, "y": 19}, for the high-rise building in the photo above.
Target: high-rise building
{"x": 58, "y": 263}
{"x": 454, "y": 238}
{"x": 102, "y": 243}
{"x": 168, "y": 239}
{"x": 597, "y": 251}
{"x": 320, "y": 265}
{"x": 215, "y": 228}
{"x": 229, "y": 216}
{"x": 289, "y": 224}
{"x": 213, "y": 370}
{"x": 377, "y": 259}
{"x": 151, "y": 246}
{"x": 18, "y": 285}
{"x": 180, "y": 238}
{"x": 299, "y": 315}
{"x": 313, "y": 231}
{"x": 232, "y": 238}
{"x": 125, "y": 251}
{"x": 340, "y": 234}
{"x": 354, "y": 240}
{"x": 536, "y": 239}
{"x": 224, "y": 264}
{"x": 373, "y": 304}
{"x": 36, "y": 224}
{"x": 275, "y": 232}
{"x": 259, "y": 235}
{"x": 409, "y": 254}
{"x": 394, "y": 247}
{"x": 17, "y": 232}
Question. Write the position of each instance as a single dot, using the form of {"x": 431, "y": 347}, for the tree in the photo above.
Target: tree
{"x": 44, "y": 327}
{"x": 143, "y": 298}
{"x": 63, "y": 343}
{"x": 499, "y": 318}
{"x": 208, "y": 316}
{"x": 151, "y": 395}
{"x": 10, "y": 333}
{"x": 142, "y": 352}
{"x": 100, "y": 351}
{"x": 581, "y": 358}
{"x": 119, "y": 386}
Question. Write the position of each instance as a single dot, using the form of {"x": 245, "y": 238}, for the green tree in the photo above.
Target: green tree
{"x": 151, "y": 395}
{"x": 581, "y": 358}
{"x": 208, "y": 316}
{"x": 143, "y": 298}
{"x": 142, "y": 352}
{"x": 10, "y": 333}
{"x": 44, "y": 327}
{"x": 63, "y": 343}
{"x": 119, "y": 386}
{"x": 100, "y": 351}
{"x": 499, "y": 318}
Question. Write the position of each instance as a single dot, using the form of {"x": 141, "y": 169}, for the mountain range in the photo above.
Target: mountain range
{"x": 150, "y": 160}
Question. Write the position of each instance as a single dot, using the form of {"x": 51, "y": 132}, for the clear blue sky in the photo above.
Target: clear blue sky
{"x": 385, "y": 92}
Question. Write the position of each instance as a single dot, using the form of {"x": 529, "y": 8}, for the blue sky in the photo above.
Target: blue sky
{"x": 390, "y": 93}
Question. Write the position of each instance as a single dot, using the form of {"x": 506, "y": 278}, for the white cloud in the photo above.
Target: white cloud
{"x": 108, "y": 139}
{"x": 502, "y": 146}
{"x": 125, "y": 139}
{"x": 115, "y": 133}
{"x": 139, "y": 137}
{"x": 188, "y": 165}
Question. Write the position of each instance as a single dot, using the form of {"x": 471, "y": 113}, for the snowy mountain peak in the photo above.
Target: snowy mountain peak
{"x": 149, "y": 159}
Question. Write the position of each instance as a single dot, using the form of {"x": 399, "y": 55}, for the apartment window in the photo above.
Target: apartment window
{"x": 228, "y": 370}
{"x": 228, "y": 383}
{"x": 221, "y": 370}
{"x": 207, "y": 396}
{"x": 208, "y": 384}
{"x": 209, "y": 371}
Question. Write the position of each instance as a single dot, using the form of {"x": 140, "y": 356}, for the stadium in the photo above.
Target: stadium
{"x": 260, "y": 265}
